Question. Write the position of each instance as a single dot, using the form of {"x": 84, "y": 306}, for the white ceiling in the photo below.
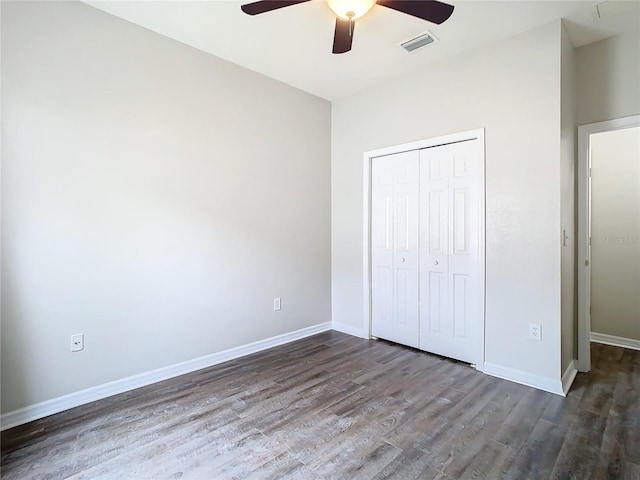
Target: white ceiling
{"x": 293, "y": 44}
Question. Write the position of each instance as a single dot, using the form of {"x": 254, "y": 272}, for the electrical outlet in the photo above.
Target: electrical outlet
{"x": 276, "y": 304}
{"x": 77, "y": 342}
{"x": 535, "y": 331}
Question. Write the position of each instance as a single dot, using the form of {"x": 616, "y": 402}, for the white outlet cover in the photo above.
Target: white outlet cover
{"x": 535, "y": 331}
{"x": 77, "y": 342}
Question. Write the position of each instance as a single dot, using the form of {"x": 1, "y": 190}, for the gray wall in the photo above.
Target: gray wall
{"x": 513, "y": 90}
{"x": 615, "y": 233}
{"x": 608, "y": 75}
{"x": 154, "y": 198}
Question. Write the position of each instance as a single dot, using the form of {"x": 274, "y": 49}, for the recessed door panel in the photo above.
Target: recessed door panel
{"x": 436, "y": 169}
{"x": 402, "y": 215}
{"x": 460, "y": 214}
{"x": 436, "y": 233}
{"x": 459, "y": 304}
{"x": 404, "y": 299}
{"x": 436, "y": 308}
{"x": 403, "y": 172}
{"x": 384, "y": 306}
{"x": 385, "y": 231}
{"x": 460, "y": 165}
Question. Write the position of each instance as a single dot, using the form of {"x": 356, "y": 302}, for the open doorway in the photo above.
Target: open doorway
{"x": 608, "y": 235}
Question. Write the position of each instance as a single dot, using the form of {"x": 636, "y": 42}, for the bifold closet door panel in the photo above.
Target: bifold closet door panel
{"x": 450, "y": 275}
{"x": 394, "y": 247}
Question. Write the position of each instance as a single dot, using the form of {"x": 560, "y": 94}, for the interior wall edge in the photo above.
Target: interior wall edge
{"x": 569, "y": 375}
{"x": 82, "y": 397}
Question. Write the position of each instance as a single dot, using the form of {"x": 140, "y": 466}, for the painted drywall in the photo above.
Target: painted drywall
{"x": 513, "y": 90}
{"x": 608, "y": 75}
{"x": 567, "y": 202}
{"x": 615, "y": 233}
{"x": 154, "y": 198}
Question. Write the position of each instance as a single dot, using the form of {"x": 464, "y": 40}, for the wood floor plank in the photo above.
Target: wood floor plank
{"x": 598, "y": 396}
{"x": 537, "y": 457}
{"x": 467, "y": 408}
{"x": 353, "y": 437}
{"x": 615, "y": 452}
{"x": 560, "y": 410}
{"x": 410, "y": 464}
{"x": 359, "y": 460}
{"x": 435, "y": 403}
{"x": 283, "y": 467}
{"x": 580, "y": 384}
{"x": 579, "y": 453}
{"x": 517, "y": 427}
{"x": 467, "y": 450}
{"x": 484, "y": 464}
{"x": 334, "y": 406}
{"x": 425, "y": 434}
{"x": 309, "y": 438}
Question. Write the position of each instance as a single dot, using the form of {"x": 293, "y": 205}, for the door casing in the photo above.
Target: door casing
{"x": 584, "y": 230}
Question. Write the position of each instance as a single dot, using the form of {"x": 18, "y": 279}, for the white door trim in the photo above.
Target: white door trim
{"x": 584, "y": 230}
{"x": 366, "y": 216}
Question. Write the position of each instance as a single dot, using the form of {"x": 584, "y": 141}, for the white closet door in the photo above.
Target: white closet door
{"x": 451, "y": 286}
{"x": 394, "y": 247}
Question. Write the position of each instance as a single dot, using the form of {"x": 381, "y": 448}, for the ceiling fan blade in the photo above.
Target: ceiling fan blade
{"x": 430, "y": 10}
{"x": 343, "y": 35}
{"x": 267, "y": 5}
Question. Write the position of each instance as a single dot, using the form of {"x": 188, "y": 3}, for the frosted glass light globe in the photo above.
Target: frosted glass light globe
{"x": 350, "y": 9}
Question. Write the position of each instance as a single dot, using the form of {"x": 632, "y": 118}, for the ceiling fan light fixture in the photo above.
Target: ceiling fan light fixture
{"x": 350, "y": 9}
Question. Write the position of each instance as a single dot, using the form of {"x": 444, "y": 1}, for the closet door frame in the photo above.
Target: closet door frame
{"x": 477, "y": 134}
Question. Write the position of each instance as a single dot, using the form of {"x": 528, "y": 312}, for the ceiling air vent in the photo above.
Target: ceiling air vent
{"x": 421, "y": 41}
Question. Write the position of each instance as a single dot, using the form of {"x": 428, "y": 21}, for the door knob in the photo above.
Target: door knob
{"x": 402, "y": 260}
{"x": 436, "y": 262}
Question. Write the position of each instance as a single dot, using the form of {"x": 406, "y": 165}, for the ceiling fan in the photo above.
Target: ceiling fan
{"x": 347, "y": 11}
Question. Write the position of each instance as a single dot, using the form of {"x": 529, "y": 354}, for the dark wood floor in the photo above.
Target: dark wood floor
{"x": 338, "y": 407}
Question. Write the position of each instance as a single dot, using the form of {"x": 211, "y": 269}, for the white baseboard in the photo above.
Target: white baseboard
{"x": 569, "y": 376}
{"x": 615, "y": 341}
{"x": 59, "y": 404}
{"x": 525, "y": 378}
{"x": 349, "y": 330}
